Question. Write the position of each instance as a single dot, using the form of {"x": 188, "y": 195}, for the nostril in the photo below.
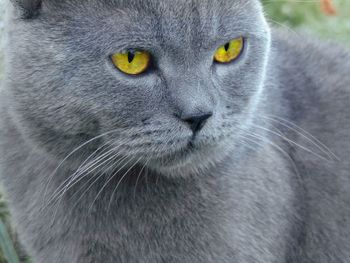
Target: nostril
{"x": 197, "y": 121}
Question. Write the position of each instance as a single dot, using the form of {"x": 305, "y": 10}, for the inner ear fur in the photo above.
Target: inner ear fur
{"x": 27, "y": 8}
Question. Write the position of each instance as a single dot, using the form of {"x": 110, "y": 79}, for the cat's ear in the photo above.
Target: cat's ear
{"x": 27, "y": 8}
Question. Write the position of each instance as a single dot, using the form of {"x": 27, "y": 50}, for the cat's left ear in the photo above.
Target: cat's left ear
{"x": 27, "y": 8}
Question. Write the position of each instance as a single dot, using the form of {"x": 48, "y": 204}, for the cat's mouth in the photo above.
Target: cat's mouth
{"x": 179, "y": 155}
{"x": 184, "y": 156}
{"x": 169, "y": 163}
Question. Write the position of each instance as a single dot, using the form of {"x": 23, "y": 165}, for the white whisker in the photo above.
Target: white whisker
{"x": 292, "y": 142}
{"x": 120, "y": 181}
{"x": 107, "y": 182}
{"x": 304, "y": 134}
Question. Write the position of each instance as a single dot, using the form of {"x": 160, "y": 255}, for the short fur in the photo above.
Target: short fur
{"x": 254, "y": 185}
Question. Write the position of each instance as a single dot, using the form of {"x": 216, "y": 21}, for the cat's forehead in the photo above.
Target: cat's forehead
{"x": 181, "y": 5}
{"x": 182, "y": 8}
{"x": 185, "y": 8}
{"x": 178, "y": 14}
{"x": 173, "y": 4}
{"x": 144, "y": 23}
{"x": 188, "y": 11}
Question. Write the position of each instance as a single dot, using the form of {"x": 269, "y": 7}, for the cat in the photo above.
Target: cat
{"x": 242, "y": 158}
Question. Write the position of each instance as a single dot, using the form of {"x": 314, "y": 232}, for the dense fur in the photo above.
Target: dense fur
{"x": 254, "y": 185}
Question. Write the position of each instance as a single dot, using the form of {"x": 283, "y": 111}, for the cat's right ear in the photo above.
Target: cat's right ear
{"x": 27, "y": 8}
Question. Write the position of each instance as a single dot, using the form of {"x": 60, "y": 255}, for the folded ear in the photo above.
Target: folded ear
{"x": 27, "y": 8}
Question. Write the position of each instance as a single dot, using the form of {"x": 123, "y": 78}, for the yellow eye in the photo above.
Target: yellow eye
{"x": 132, "y": 63}
{"x": 230, "y": 51}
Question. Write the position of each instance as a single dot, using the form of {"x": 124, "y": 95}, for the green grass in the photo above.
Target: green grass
{"x": 298, "y": 15}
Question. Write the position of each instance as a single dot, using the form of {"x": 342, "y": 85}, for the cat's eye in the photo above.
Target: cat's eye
{"x": 230, "y": 51}
{"x": 132, "y": 62}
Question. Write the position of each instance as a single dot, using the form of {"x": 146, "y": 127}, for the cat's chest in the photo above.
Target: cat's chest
{"x": 228, "y": 216}
{"x": 208, "y": 222}
{"x": 174, "y": 226}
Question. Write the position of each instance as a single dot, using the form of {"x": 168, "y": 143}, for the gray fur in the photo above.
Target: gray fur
{"x": 254, "y": 187}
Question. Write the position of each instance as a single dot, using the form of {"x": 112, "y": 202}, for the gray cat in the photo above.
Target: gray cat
{"x": 173, "y": 131}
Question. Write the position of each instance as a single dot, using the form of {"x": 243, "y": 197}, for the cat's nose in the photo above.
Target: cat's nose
{"x": 196, "y": 121}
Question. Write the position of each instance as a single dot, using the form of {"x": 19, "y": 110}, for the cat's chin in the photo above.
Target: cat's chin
{"x": 191, "y": 160}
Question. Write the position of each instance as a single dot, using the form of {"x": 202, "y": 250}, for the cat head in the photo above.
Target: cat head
{"x": 184, "y": 109}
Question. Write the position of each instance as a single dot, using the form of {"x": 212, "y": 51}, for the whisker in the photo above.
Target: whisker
{"x": 304, "y": 134}
{"x": 71, "y": 153}
{"x": 94, "y": 164}
{"x": 101, "y": 160}
{"x": 138, "y": 177}
{"x": 120, "y": 181}
{"x": 119, "y": 130}
{"x": 120, "y": 160}
{"x": 292, "y": 142}
{"x": 69, "y": 179}
{"x": 61, "y": 197}
{"x": 107, "y": 182}
{"x": 77, "y": 179}
{"x": 276, "y": 146}
{"x": 95, "y": 152}
{"x": 270, "y": 19}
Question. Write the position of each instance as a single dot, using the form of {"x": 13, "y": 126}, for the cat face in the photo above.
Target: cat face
{"x": 176, "y": 116}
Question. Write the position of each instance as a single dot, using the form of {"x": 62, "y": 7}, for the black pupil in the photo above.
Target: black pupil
{"x": 227, "y": 46}
{"x": 131, "y": 56}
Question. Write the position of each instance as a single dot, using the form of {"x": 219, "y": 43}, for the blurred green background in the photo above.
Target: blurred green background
{"x": 294, "y": 15}
{"x": 306, "y": 16}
